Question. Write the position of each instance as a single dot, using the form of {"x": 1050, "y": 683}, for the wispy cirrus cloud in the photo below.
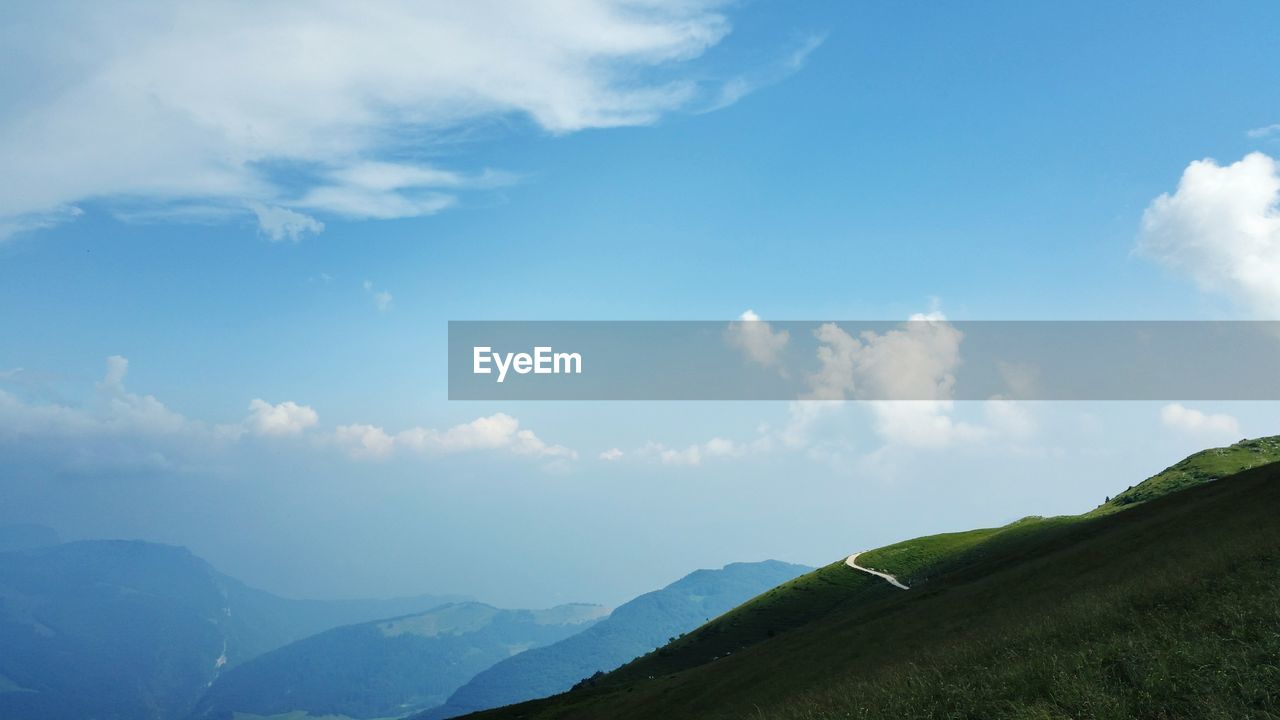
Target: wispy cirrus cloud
{"x": 1266, "y": 131}
{"x": 289, "y": 114}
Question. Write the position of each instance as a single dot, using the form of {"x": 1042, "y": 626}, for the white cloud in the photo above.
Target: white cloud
{"x": 286, "y": 418}
{"x": 756, "y": 339}
{"x": 1010, "y": 418}
{"x": 805, "y": 418}
{"x": 1221, "y": 227}
{"x": 381, "y": 298}
{"x": 280, "y": 224}
{"x": 694, "y": 454}
{"x": 143, "y": 428}
{"x": 916, "y": 361}
{"x": 611, "y": 454}
{"x": 1178, "y": 417}
{"x": 112, "y": 413}
{"x": 1266, "y": 131}
{"x": 494, "y": 432}
{"x": 719, "y": 447}
{"x": 133, "y": 413}
{"x": 691, "y": 455}
{"x": 364, "y": 441}
{"x": 922, "y": 424}
{"x": 326, "y": 107}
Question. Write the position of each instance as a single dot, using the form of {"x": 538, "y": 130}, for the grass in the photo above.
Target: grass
{"x": 1205, "y": 466}
{"x": 1168, "y": 609}
{"x": 1192, "y": 638}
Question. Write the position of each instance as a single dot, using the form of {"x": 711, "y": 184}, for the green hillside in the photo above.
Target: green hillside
{"x": 1205, "y": 466}
{"x": 1167, "y": 608}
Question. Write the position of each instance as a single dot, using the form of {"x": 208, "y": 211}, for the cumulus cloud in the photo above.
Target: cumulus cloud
{"x": 916, "y": 361}
{"x": 756, "y": 339}
{"x": 364, "y": 441}
{"x": 691, "y": 455}
{"x": 126, "y": 411}
{"x": 1221, "y": 228}
{"x": 494, "y": 432}
{"x": 611, "y": 454}
{"x": 284, "y": 110}
{"x": 1188, "y": 420}
{"x": 286, "y": 418}
{"x": 694, "y": 454}
{"x": 922, "y": 424}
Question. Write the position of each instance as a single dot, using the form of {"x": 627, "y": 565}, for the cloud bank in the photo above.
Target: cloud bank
{"x": 122, "y": 428}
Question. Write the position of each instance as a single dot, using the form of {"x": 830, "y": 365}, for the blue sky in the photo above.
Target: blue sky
{"x": 821, "y": 160}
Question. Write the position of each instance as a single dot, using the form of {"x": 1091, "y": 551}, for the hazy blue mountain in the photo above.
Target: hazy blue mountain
{"x": 26, "y": 537}
{"x": 634, "y": 629}
{"x": 136, "y": 630}
{"x": 390, "y": 667}
{"x": 269, "y": 621}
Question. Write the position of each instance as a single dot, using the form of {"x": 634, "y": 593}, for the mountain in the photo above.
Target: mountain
{"x": 633, "y": 629}
{"x": 1161, "y": 605}
{"x": 135, "y": 630}
{"x": 268, "y": 621}
{"x": 388, "y": 668}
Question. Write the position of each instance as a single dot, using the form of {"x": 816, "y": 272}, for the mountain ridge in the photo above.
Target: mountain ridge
{"x": 149, "y": 626}
{"x": 634, "y": 628}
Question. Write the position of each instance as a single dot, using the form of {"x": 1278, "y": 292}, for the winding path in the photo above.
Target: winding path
{"x": 852, "y": 562}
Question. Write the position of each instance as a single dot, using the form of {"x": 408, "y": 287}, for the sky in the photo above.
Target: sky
{"x": 232, "y": 235}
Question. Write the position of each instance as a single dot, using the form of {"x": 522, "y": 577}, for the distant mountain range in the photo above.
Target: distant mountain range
{"x": 634, "y": 629}
{"x": 388, "y": 668}
{"x": 132, "y": 630}
{"x": 138, "y": 631}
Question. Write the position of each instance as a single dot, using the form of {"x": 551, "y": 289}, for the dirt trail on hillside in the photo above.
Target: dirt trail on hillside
{"x": 852, "y": 562}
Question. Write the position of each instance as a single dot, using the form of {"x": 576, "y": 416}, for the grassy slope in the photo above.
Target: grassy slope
{"x": 1159, "y": 611}
{"x": 1200, "y": 468}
